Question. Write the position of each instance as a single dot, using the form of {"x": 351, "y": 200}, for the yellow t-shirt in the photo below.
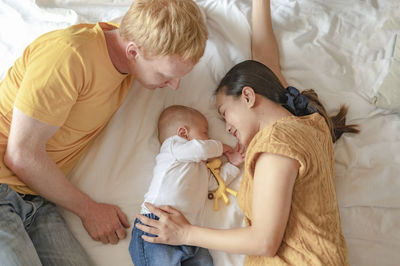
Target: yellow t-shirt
{"x": 64, "y": 78}
{"x": 313, "y": 234}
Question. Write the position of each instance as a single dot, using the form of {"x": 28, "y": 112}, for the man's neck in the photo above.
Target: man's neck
{"x": 116, "y": 50}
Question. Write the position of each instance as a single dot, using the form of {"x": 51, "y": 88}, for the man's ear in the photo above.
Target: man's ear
{"x": 132, "y": 51}
{"x": 183, "y": 132}
{"x": 249, "y": 96}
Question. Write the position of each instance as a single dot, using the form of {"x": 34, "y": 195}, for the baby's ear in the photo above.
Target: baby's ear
{"x": 183, "y": 133}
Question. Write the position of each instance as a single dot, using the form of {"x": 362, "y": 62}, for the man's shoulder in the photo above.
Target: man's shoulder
{"x": 79, "y": 34}
{"x": 74, "y": 36}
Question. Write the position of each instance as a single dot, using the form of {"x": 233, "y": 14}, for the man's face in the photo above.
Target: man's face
{"x": 160, "y": 72}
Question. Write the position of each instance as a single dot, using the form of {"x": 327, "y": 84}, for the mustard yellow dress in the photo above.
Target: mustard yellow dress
{"x": 313, "y": 233}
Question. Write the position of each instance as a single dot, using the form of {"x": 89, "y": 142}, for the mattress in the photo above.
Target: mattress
{"x": 342, "y": 49}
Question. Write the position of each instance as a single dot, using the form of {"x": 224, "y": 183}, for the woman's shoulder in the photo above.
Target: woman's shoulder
{"x": 291, "y": 131}
{"x": 292, "y": 126}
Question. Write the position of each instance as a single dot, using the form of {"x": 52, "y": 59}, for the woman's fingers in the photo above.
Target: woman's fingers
{"x": 156, "y": 211}
{"x": 168, "y": 209}
{"x": 147, "y": 220}
{"x": 148, "y": 229}
{"x": 151, "y": 239}
{"x": 237, "y": 146}
{"x": 242, "y": 149}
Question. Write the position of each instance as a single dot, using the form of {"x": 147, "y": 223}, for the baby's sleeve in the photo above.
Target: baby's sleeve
{"x": 196, "y": 150}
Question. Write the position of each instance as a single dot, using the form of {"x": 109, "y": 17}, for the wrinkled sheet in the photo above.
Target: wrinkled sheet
{"x": 342, "y": 49}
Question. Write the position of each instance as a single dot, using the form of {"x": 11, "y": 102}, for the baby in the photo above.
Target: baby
{"x": 181, "y": 179}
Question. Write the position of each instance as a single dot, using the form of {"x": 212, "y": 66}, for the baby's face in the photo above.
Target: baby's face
{"x": 199, "y": 129}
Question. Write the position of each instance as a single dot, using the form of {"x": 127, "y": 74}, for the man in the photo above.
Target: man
{"x": 56, "y": 98}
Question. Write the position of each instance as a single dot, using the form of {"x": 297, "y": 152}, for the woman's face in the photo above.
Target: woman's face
{"x": 238, "y": 116}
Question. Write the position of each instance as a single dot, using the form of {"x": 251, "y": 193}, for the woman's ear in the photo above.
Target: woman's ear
{"x": 183, "y": 132}
{"x": 132, "y": 51}
{"x": 249, "y": 96}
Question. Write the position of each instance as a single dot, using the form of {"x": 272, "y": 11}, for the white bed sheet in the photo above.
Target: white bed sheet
{"x": 342, "y": 49}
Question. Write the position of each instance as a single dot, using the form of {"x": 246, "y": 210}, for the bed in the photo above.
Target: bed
{"x": 342, "y": 49}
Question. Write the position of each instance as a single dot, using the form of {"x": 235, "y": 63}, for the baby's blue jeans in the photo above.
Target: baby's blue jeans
{"x": 151, "y": 254}
{"x": 32, "y": 232}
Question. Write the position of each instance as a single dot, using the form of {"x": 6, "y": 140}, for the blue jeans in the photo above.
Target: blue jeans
{"x": 32, "y": 232}
{"x": 151, "y": 254}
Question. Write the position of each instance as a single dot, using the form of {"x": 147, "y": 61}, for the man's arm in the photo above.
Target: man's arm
{"x": 26, "y": 155}
{"x": 264, "y": 47}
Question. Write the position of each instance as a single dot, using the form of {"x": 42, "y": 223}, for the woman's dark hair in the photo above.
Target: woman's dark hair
{"x": 264, "y": 82}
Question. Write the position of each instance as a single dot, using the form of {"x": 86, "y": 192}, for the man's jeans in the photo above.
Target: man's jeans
{"x": 151, "y": 254}
{"x": 32, "y": 232}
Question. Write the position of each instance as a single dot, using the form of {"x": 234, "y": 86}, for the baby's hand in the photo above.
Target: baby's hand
{"x": 236, "y": 156}
{"x": 226, "y": 148}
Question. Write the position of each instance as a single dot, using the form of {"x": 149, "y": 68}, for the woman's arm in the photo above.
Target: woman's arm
{"x": 264, "y": 47}
{"x": 274, "y": 178}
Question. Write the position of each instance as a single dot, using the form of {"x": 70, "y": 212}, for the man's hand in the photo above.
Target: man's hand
{"x": 236, "y": 156}
{"x": 105, "y": 222}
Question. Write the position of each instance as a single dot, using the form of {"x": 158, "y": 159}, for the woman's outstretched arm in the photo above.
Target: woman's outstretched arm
{"x": 274, "y": 178}
{"x": 264, "y": 47}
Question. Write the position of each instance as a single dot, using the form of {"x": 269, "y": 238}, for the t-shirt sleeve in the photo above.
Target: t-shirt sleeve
{"x": 51, "y": 83}
{"x": 285, "y": 141}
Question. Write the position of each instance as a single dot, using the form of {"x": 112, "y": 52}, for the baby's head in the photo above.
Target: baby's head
{"x": 183, "y": 121}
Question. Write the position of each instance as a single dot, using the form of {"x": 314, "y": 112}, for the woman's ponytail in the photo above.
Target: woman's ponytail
{"x": 337, "y": 123}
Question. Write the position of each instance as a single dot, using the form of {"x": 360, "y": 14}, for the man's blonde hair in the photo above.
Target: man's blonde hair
{"x": 175, "y": 116}
{"x": 166, "y": 27}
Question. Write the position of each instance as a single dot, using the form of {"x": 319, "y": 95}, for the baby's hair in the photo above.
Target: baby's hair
{"x": 173, "y": 117}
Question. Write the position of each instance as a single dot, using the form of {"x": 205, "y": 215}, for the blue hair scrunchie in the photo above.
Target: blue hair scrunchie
{"x": 296, "y": 102}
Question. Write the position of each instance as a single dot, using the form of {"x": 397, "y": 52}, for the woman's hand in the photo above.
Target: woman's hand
{"x": 172, "y": 228}
{"x": 236, "y": 156}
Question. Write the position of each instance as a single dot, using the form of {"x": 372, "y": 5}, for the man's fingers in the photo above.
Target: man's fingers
{"x": 123, "y": 219}
{"x": 113, "y": 238}
{"x": 121, "y": 233}
{"x": 104, "y": 239}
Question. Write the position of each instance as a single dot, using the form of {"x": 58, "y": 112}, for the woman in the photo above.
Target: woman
{"x": 287, "y": 191}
